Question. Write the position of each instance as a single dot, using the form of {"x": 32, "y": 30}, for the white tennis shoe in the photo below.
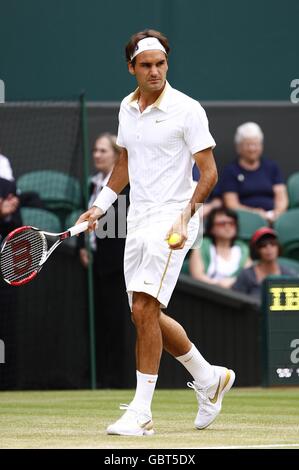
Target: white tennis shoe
{"x": 210, "y": 398}
{"x": 132, "y": 423}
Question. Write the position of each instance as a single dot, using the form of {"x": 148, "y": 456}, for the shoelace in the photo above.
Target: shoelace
{"x": 201, "y": 393}
{"x": 133, "y": 413}
{"x": 129, "y": 414}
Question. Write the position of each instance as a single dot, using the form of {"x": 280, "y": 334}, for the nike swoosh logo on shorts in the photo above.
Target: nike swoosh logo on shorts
{"x": 148, "y": 283}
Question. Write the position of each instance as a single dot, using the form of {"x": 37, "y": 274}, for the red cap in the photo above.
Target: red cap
{"x": 258, "y": 234}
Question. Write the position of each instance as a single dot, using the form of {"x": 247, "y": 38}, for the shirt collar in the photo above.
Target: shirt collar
{"x": 99, "y": 180}
{"x": 160, "y": 103}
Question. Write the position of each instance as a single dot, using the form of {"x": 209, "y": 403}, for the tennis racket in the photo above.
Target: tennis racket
{"x": 26, "y": 249}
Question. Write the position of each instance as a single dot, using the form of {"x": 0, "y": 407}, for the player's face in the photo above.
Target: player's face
{"x": 150, "y": 70}
{"x": 224, "y": 227}
{"x": 103, "y": 155}
{"x": 250, "y": 149}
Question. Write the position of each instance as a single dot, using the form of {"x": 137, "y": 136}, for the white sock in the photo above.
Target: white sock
{"x": 146, "y": 384}
{"x": 199, "y": 368}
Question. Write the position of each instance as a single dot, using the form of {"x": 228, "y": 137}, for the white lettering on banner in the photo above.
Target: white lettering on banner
{"x": 294, "y": 97}
{"x": 295, "y": 354}
{"x": 2, "y": 352}
{"x": 2, "y": 92}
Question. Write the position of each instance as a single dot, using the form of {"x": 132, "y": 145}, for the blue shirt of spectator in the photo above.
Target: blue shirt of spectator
{"x": 254, "y": 187}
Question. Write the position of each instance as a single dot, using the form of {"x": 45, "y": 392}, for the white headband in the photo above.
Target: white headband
{"x": 148, "y": 44}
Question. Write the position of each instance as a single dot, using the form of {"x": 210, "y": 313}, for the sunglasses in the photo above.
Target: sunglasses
{"x": 223, "y": 223}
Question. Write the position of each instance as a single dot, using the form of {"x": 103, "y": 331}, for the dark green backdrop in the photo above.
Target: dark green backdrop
{"x": 221, "y": 50}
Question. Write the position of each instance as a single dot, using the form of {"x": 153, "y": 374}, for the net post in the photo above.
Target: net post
{"x": 90, "y": 287}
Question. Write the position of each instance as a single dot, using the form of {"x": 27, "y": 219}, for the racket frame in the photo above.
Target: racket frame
{"x": 75, "y": 230}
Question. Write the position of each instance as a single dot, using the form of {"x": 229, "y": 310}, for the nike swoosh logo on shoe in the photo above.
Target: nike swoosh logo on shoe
{"x": 215, "y": 397}
{"x": 147, "y": 425}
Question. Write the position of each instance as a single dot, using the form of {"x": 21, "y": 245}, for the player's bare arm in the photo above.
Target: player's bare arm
{"x": 208, "y": 178}
{"x": 117, "y": 182}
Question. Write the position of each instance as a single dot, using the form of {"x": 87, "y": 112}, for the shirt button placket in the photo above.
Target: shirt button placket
{"x": 138, "y": 129}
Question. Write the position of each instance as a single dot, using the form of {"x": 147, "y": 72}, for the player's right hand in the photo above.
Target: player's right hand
{"x": 92, "y": 215}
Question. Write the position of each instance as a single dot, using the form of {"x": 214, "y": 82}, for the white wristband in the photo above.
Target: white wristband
{"x": 105, "y": 199}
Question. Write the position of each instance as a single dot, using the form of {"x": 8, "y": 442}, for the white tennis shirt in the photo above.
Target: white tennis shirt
{"x": 160, "y": 143}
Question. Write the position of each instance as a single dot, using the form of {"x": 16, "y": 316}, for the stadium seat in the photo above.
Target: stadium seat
{"x": 293, "y": 190}
{"x": 249, "y": 222}
{"x": 41, "y": 218}
{"x": 72, "y": 218}
{"x": 289, "y": 263}
{"x": 286, "y": 227}
{"x": 57, "y": 190}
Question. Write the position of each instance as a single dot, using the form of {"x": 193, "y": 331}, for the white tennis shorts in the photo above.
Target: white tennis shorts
{"x": 150, "y": 266}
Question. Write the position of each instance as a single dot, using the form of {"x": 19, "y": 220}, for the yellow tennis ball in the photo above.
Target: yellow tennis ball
{"x": 174, "y": 239}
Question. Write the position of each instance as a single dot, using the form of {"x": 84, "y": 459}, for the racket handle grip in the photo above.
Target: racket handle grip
{"x": 76, "y": 229}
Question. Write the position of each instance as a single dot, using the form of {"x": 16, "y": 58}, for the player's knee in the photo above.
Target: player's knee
{"x": 143, "y": 310}
{"x": 138, "y": 313}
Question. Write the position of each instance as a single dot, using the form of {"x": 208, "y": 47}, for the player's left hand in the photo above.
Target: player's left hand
{"x": 180, "y": 228}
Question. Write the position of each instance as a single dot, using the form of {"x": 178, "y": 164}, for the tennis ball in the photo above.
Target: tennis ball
{"x": 174, "y": 239}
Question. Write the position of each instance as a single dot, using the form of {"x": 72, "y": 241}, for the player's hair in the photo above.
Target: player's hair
{"x": 211, "y": 219}
{"x": 112, "y": 141}
{"x": 255, "y": 247}
{"x": 248, "y": 130}
{"x": 130, "y": 47}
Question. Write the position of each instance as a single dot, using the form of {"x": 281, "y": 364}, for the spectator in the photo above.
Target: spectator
{"x": 253, "y": 182}
{"x": 110, "y": 297}
{"x": 105, "y": 153}
{"x": 9, "y": 207}
{"x": 27, "y": 199}
{"x": 9, "y": 220}
{"x": 5, "y": 168}
{"x": 265, "y": 248}
{"x": 221, "y": 256}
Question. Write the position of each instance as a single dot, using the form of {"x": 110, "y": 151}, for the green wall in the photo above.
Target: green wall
{"x": 221, "y": 50}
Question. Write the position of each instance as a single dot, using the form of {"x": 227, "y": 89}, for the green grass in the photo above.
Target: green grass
{"x": 77, "y": 419}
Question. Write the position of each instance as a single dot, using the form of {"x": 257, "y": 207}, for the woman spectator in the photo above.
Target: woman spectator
{"x": 253, "y": 182}
{"x": 221, "y": 256}
{"x": 265, "y": 248}
{"x": 105, "y": 153}
{"x": 110, "y": 297}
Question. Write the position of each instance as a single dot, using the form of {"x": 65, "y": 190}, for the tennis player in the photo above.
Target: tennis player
{"x": 161, "y": 132}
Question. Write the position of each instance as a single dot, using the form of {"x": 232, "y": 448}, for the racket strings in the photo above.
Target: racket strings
{"x": 22, "y": 255}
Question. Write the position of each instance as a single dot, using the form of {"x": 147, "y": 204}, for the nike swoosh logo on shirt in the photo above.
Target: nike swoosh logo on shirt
{"x": 160, "y": 120}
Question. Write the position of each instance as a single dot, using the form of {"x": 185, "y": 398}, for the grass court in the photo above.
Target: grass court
{"x": 251, "y": 417}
